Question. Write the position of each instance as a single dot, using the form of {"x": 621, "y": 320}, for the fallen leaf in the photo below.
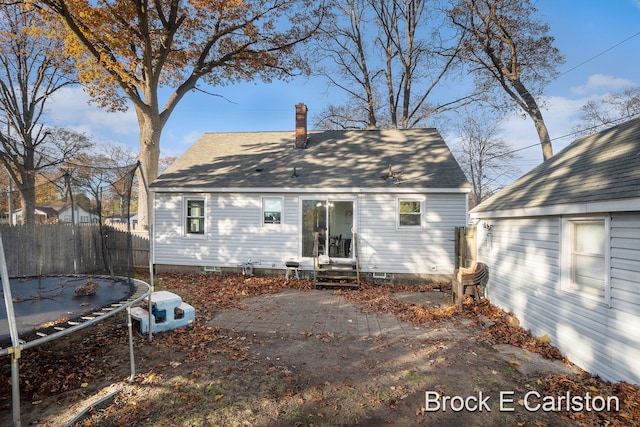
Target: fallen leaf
{"x": 544, "y": 339}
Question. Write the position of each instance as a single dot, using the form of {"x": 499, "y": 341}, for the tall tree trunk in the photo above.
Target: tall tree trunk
{"x": 530, "y": 106}
{"x": 150, "y": 132}
{"x": 27, "y": 190}
{"x": 543, "y": 135}
{"x": 393, "y": 113}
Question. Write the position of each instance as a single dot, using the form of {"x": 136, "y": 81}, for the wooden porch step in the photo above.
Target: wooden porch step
{"x": 334, "y": 277}
{"x": 336, "y": 273}
{"x": 343, "y": 277}
{"x": 350, "y": 285}
{"x": 346, "y": 282}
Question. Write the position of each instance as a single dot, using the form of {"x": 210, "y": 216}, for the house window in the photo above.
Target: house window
{"x": 195, "y": 216}
{"x": 271, "y": 210}
{"x": 409, "y": 213}
{"x": 585, "y": 268}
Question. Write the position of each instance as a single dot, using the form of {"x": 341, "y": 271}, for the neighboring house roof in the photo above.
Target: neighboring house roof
{"x": 40, "y": 210}
{"x": 58, "y": 207}
{"x": 49, "y": 211}
{"x": 419, "y": 158}
{"x": 602, "y": 167}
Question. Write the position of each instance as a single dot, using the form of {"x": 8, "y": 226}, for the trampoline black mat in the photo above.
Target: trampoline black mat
{"x": 43, "y": 302}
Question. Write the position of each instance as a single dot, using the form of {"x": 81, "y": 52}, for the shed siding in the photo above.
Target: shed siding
{"x": 234, "y": 234}
{"x": 524, "y": 278}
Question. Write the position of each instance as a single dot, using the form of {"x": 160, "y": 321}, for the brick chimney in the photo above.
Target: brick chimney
{"x": 301, "y": 125}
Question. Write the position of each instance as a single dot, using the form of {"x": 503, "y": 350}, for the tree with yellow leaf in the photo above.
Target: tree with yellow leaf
{"x": 32, "y": 70}
{"x": 126, "y": 50}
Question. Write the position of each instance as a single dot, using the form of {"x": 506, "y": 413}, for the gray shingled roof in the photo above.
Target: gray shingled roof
{"x": 331, "y": 159}
{"x": 601, "y": 167}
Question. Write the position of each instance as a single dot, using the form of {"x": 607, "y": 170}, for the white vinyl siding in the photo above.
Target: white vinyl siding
{"x": 385, "y": 248}
{"x": 524, "y": 255}
{"x": 234, "y": 232}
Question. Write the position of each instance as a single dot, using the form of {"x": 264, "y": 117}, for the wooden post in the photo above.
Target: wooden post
{"x": 460, "y": 247}
{"x": 463, "y": 247}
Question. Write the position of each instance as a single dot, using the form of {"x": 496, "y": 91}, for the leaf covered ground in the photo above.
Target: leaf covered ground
{"x": 204, "y": 375}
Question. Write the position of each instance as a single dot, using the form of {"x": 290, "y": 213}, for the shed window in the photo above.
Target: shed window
{"x": 586, "y": 257}
{"x": 195, "y": 216}
{"x": 271, "y": 210}
{"x": 409, "y": 213}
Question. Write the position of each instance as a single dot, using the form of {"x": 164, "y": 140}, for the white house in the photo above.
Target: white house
{"x": 42, "y": 214}
{"x": 58, "y": 212}
{"x": 563, "y": 249}
{"x": 260, "y": 196}
{"x": 81, "y": 216}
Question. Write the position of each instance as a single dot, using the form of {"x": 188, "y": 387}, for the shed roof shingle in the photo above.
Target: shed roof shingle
{"x": 601, "y": 167}
{"x": 332, "y": 159}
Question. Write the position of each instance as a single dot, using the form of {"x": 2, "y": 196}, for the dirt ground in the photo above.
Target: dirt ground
{"x": 204, "y": 375}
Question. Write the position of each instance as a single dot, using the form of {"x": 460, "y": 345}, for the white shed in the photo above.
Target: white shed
{"x": 562, "y": 245}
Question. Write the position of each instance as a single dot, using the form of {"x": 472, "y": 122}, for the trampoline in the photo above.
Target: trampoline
{"x": 43, "y": 308}
{"x": 47, "y": 305}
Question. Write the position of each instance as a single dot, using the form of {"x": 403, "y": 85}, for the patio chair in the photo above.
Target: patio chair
{"x": 464, "y": 278}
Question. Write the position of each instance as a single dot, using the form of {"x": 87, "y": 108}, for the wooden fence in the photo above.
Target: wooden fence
{"x": 465, "y": 246}
{"x": 49, "y": 249}
{"x": 117, "y": 253}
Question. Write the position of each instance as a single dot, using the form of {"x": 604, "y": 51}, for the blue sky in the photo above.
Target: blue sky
{"x": 582, "y": 30}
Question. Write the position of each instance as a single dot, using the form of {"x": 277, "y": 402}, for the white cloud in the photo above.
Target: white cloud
{"x": 69, "y": 108}
{"x": 176, "y": 139}
{"x": 599, "y": 82}
{"x": 560, "y": 116}
{"x": 191, "y": 137}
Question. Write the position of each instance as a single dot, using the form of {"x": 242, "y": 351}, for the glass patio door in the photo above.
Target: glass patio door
{"x": 332, "y": 220}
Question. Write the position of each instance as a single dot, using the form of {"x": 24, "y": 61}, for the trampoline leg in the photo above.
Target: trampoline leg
{"x": 131, "y": 358}
{"x": 15, "y": 387}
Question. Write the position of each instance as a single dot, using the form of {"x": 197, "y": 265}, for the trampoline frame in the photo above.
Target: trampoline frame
{"x": 143, "y": 290}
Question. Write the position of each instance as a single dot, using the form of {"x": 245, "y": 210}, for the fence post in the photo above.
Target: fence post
{"x": 465, "y": 247}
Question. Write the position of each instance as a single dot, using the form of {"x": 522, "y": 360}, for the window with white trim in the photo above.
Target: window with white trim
{"x": 195, "y": 216}
{"x": 409, "y": 213}
{"x": 272, "y": 210}
{"x": 585, "y": 257}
